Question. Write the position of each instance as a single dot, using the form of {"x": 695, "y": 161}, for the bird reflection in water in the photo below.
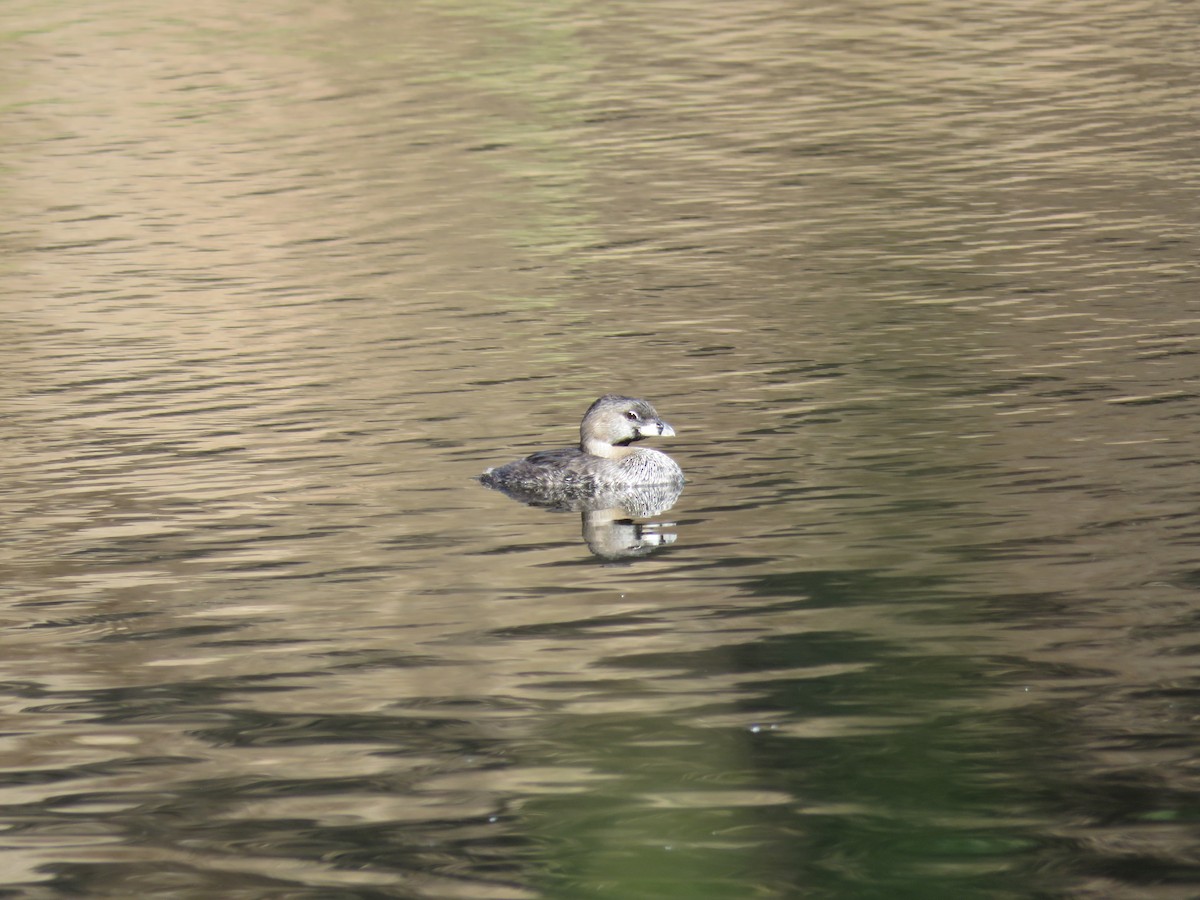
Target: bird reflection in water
{"x": 608, "y": 516}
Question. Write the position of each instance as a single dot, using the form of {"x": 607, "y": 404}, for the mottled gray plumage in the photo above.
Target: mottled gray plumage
{"x": 604, "y": 459}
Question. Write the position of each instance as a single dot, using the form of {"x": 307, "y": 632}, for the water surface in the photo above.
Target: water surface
{"x": 916, "y": 285}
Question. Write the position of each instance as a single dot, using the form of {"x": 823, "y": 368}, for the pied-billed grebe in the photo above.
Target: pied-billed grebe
{"x": 604, "y": 458}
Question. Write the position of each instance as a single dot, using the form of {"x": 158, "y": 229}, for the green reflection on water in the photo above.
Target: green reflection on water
{"x": 843, "y": 765}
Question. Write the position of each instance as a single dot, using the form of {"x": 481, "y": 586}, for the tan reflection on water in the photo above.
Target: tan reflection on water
{"x": 914, "y": 281}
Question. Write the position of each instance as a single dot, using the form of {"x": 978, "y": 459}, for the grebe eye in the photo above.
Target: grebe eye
{"x": 631, "y": 415}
